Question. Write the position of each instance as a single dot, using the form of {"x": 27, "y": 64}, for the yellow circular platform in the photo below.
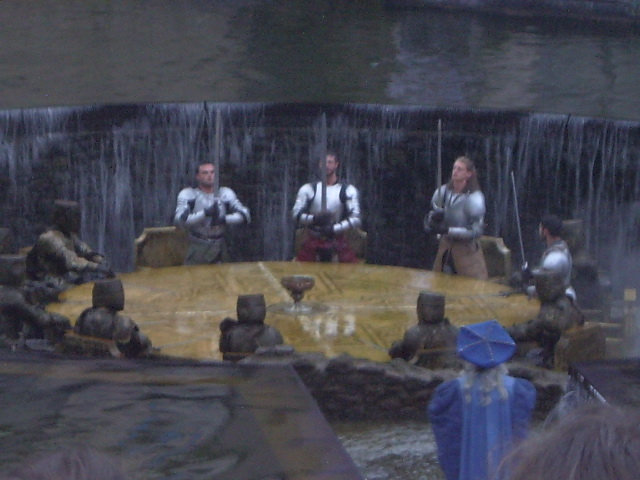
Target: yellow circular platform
{"x": 367, "y": 306}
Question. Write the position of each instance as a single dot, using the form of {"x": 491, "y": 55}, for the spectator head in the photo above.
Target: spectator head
{"x": 594, "y": 442}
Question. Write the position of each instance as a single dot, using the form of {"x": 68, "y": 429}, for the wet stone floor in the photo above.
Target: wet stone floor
{"x": 396, "y": 450}
{"x": 391, "y": 450}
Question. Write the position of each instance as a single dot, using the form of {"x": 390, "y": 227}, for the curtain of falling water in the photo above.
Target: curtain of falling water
{"x": 127, "y": 163}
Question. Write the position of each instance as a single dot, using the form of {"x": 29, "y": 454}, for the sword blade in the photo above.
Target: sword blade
{"x": 439, "y": 153}
{"x": 515, "y": 205}
{"x": 217, "y": 152}
{"x": 323, "y": 160}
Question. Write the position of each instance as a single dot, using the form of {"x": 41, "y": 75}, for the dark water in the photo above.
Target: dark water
{"x": 82, "y": 53}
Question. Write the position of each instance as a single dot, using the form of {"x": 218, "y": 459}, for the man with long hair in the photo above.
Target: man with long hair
{"x": 457, "y": 217}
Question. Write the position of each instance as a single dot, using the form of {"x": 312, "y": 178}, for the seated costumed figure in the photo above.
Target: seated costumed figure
{"x": 59, "y": 258}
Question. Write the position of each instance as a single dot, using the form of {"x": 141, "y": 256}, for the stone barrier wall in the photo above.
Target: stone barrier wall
{"x": 346, "y": 388}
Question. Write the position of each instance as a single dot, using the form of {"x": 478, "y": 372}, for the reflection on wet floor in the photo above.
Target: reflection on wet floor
{"x": 391, "y": 450}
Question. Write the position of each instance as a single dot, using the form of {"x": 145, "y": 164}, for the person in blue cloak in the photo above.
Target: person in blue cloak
{"x": 480, "y": 416}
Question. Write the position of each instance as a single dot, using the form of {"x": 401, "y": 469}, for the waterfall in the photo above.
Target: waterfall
{"x": 127, "y": 163}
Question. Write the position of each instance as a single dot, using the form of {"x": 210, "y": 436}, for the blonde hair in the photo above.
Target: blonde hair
{"x": 473, "y": 185}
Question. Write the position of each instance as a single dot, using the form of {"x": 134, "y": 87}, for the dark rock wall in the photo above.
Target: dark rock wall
{"x": 354, "y": 389}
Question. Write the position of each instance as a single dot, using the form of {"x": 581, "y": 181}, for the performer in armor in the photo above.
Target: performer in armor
{"x": 457, "y": 217}
{"x": 556, "y": 258}
{"x": 325, "y": 228}
{"x": 558, "y": 313}
{"x": 59, "y": 258}
{"x": 204, "y": 213}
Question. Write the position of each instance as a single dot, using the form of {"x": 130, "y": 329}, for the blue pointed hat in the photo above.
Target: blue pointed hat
{"x": 485, "y": 344}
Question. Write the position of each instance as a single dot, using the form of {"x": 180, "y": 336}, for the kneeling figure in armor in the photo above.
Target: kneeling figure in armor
{"x": 557, "y": 314}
